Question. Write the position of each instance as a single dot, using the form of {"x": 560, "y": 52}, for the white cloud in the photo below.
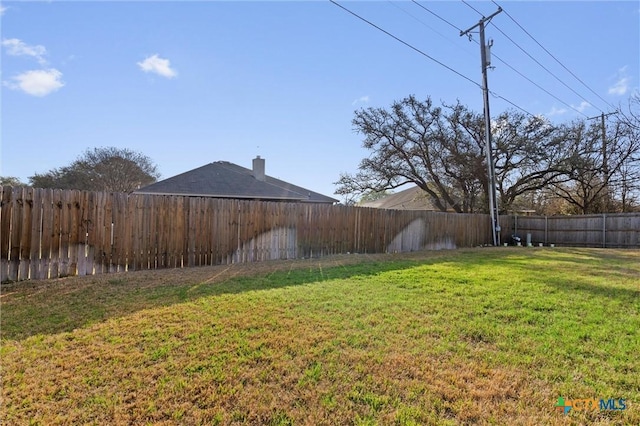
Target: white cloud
{"x": 622, "y": 84}
{"x": 37, "y": 82}
{"x": 583, "y": 106}
{"x": 620, "y": 87}
{"x": 556, "y": 111}
{"x": 158, "y": 65}
{"x": 3, "y": 9}
{"x": 16, "y": 47}
{"x": 363, "y": 99}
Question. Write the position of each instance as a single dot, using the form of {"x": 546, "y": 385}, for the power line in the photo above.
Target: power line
{"x": 405, "y": 43}
{"x": 494, "y": 94}
{"x": 537, "y": 62}
{"x": 501, "y": 60}
{"x": 556, "y": 59}
{"x": 477, "y": 11}
{"x": 540, "y": 87}
{"x": 437, "y": 16}
{"x": 395, "y": 4}
{"x": 543, "y": 67}
{"x": 426, "y": 55}
{"x": 532, "y": 82}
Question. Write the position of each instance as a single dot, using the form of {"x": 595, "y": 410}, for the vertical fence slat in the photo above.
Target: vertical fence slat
{"x": 36, "y": 234}
{"x": 17, "y": 207}
{"x": 64, "y": 231}
{"x": 47, "y": 232}
{"x": 5, "y": 231}
{"x": 119, "y": 219}
{"x": 25, "y": 239}
{"x": 56, "y": 233}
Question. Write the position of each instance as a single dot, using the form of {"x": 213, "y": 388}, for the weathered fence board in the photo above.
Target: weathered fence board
{"x": 5, "y": 231}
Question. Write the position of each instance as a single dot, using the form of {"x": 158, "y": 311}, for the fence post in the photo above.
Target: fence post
{"x": 546, "y": 229}
{"x": 604, "y": 230}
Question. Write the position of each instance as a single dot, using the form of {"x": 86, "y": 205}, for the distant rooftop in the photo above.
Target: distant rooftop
{"x": 223, "y": 179}
{"x": 412, "y": 198}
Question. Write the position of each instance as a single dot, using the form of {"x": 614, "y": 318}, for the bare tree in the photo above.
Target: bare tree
{"x": 628, "y": 190}
{"x": 602, "y": 170}
{"x": 441, "y": 150}
{"x": 414, "y": 142}
{"x": 529, "y": 156}
{"x": 102, "y": 169}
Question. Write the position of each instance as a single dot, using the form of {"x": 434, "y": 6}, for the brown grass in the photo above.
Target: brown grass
{"x": 319, "y": 351}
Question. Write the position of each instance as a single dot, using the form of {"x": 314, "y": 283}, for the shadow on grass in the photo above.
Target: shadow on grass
{"x": 55, "y": 306}
{"x": 587, "y": 267}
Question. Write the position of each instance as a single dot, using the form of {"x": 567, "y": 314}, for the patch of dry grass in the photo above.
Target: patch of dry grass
{"x": 466, "y": 337}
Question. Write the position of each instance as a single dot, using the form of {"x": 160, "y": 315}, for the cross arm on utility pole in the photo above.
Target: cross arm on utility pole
{"x": 482, "y": 21}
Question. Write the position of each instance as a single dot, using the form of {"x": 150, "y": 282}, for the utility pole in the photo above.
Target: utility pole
{"x": 485, "y": 61}
{"x": 605, "y": 159}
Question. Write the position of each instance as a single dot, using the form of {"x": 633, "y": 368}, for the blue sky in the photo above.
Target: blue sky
{"x": 189, "y": 83}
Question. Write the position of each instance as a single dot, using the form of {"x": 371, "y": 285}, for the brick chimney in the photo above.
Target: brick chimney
{"x": 258, "y": 168}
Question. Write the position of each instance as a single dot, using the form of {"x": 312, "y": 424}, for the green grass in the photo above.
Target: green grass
{"x": 483, "y": 336}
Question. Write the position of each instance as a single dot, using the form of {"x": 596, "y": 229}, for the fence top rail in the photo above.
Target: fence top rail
{"x": 576, "y": 216}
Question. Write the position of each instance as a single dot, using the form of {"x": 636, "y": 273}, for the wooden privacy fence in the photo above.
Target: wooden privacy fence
{"x": 613, "y": 230}
{"x": 48, "y": 233}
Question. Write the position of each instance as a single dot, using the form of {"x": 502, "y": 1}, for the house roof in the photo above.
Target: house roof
{"x": 223, "y": 179}
{"x": 412, "y": 198}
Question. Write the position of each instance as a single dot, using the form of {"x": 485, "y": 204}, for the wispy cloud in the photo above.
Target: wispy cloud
{"x": 556, "y": 111}
{"x": 3, "y": 9}
{"x": 158, "y": 65}
{"x": 361, "y": 99}
{"x": 17, "y": 47}
{"x": 583, "y": 106}
{"x": 622, "y": 84}
{"x": 37, "y": 82}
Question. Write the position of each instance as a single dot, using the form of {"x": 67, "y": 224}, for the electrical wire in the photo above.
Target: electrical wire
{"x": 544, "y": 68}
{"x": 518, "y": 72}
{"x": 437, "y": 16}
{"x": 494, "y": 94}
{"x": 424, "y": 54}
{"x": 542, "y": 88}
{"x": 406, "y": 44}
{"x": 477, "y": 11}
{"x": 395, "y": 4}
{"x": 536, "y": 61}
{"x": 550, "y": 54}
{"x": 538, "y": 86}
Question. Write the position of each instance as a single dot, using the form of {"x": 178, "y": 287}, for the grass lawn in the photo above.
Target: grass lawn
{"x": 478, "y": 336}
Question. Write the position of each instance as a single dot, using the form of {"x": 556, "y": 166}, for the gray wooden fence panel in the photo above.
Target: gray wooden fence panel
{"x": 612, "y": 230}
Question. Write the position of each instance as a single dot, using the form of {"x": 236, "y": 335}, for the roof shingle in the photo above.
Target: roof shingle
{"x": 223, "y": 179}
